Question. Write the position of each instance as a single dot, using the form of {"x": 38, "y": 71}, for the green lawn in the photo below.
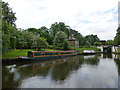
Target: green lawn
{"x": 23, "y": 52}
{"x": 92, "y": 48}
{"x": 51, "y": 50}
{"x": 118, "y": 49}
{"x": 15, "y": 53}
{"x": 18, "y": 52}
{"x": 82, "y": 49}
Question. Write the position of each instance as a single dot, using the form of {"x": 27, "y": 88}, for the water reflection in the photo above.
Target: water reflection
{"x": 91, "y": 59}
{"x": 107, "y": 55}
{"x": 118, "y": 66}
{"x": 92, "y": 71}
{"x": 10, "y": 78}
{"x": 62, "y": 71}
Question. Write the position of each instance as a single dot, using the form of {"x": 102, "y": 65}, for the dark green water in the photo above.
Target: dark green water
{"x": 93, "y": 71}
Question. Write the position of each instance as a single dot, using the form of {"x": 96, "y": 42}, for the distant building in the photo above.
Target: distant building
{"x": 73, "y": 42}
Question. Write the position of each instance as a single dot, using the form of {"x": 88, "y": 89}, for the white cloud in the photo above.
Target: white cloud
{"x": 86, "y": 16}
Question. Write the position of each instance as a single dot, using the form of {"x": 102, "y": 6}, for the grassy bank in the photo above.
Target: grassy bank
{"x": 23, "y": 52}
{"x": 18, "y": 52}
{"x": 92, "y": 48}
{"x": 118, "y": 49}
{"x": 82, "y": 49}
{"x": 15, "y": 53}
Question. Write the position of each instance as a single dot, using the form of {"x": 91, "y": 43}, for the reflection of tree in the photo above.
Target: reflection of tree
{"x": 8, "y": 79}
{"x": 42, "y": 71}
{"x": 118, "y": 65}
{"x": 107, "y": 55}
{"x": 93, "y": 60}
{"x": 29, "y": 71}
{"x": 61, "y": 71}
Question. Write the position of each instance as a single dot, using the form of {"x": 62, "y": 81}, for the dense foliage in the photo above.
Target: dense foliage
{"x": 92, "y": 39}
{"x": 60, "y": 40}
{"x": 13, "y": 38}
{"x": 33, "y": 38}
{"x": 9, "y": 31}
{"x": 117, "y": 37}
{"x": 37, "y": 38}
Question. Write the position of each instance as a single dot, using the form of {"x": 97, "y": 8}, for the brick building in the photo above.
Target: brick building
{"x": 73, "y": 42}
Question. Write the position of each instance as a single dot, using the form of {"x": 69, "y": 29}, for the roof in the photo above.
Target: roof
{"x": 72, "y": 39}
{"x": 51, "y": 51}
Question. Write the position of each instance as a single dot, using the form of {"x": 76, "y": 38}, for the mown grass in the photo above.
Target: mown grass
{"x": 92, "y": 48}
{"x": 118, "y": 49}
{"x": 23, "y": 52}
{"x": 82, "y": 49}
{"x": 15, "y": 53}
{"x": 51, "y": 50}
{"x": 18, "y": 52}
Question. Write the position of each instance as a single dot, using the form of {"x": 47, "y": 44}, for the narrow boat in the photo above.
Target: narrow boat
{"x": 48, "y": 54}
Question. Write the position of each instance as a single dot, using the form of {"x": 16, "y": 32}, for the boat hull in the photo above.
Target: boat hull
{"x": 45, "y": 57}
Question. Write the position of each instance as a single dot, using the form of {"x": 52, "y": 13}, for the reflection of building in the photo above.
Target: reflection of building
{"x": 73, "y": 42}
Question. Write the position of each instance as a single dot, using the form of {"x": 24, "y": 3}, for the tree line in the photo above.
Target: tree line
{"x": 117, "y": 37}
{"x": 36, "y": 38}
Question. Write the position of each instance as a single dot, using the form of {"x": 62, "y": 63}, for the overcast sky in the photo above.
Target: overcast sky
{"x": 98, "y": 17}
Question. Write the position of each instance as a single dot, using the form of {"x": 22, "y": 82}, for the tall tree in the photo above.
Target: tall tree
{"x": 42, "y": 32}
{"x": 117, "y": 37}
{"x": 92, "y": 39}
{"x": 44, "y": 29}
{"x": 46, "y": 34}
{"x": 41, "y": 43}
{"x": 8, "y": 27}
{"x": 118, "y": 30}
{"x": 69, "y": 32}
{"x": 59, "y": 27}
{"x": 7, "y": 14}
{"x": 60, "y": 40}
{"x": 8, "y": 19}
{"x": 110, "y": 42}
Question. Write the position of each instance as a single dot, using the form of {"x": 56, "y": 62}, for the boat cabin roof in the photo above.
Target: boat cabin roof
{"x": 51, "y": 51}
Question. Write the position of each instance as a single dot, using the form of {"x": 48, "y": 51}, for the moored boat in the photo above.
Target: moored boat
{"x": 48, "y": 54}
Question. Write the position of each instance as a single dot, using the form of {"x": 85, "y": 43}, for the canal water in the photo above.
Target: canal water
{"x": 90, "y": 71}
